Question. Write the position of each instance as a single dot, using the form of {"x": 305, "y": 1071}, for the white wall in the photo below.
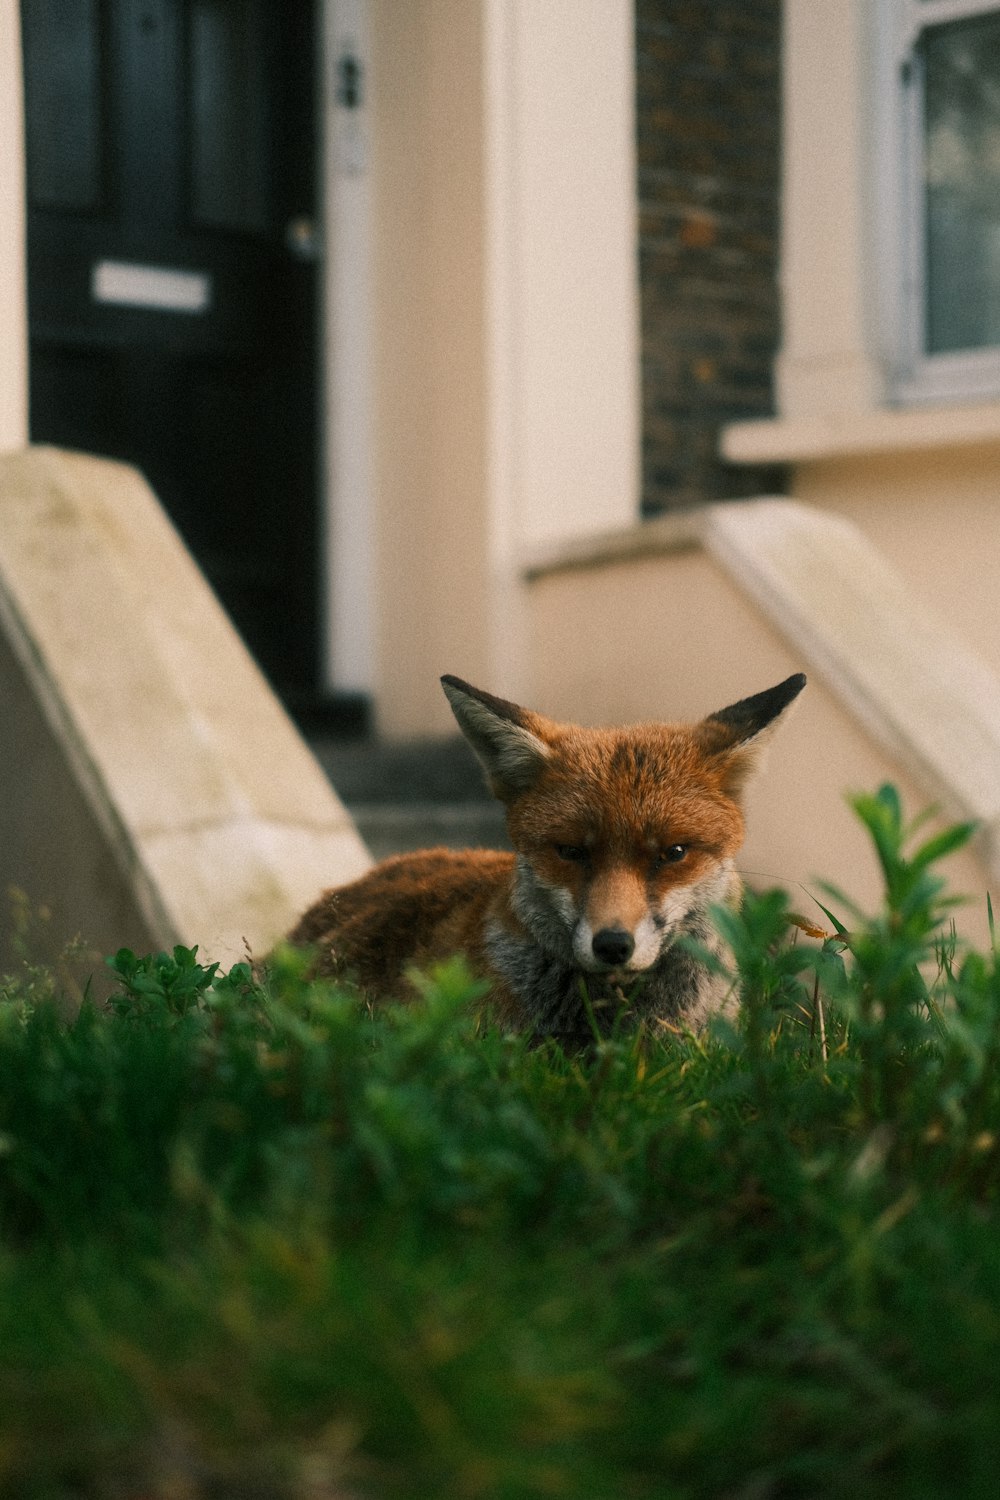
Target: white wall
{"x": 505, "y": 316}
{"x": 561, "y": 184}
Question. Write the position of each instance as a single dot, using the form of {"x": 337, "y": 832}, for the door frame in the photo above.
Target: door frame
{"x": 347, "y": 437}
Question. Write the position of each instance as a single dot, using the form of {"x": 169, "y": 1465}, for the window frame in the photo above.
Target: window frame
{"x": 914, "y": 375}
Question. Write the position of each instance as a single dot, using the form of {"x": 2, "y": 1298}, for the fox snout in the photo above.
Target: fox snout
{"x": 616, "y": 947}
{"x": 616, "y": 928}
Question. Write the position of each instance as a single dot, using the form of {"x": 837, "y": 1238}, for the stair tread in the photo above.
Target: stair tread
{"x": 375, "y": 771}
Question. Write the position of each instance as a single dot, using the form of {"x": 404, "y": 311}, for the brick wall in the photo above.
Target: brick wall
{"x": 708, "y": 101}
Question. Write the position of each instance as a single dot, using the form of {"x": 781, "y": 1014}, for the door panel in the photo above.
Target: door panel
{"x": 227, "y": 116}
{"x": 166, "y": 137}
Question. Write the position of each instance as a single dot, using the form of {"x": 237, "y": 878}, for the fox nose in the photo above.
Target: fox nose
{"x": 613, "y": 946}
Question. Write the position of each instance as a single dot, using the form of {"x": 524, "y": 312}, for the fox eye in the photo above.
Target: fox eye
{"x": 671, "y": 855}
{"x": 575, "y": 854}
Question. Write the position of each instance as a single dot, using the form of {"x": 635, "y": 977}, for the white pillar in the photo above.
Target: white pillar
{"x": 563, "y": 259}
{"x": 505, "y": 316}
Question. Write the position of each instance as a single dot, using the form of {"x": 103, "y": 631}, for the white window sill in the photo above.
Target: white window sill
{"x": 846, "y": 434}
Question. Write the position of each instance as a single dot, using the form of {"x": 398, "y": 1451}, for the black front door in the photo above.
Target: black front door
{"x": 172, "y": 279}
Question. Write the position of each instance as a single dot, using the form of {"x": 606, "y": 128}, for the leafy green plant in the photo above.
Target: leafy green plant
{"x": 167, "y": 982}
{"x": 257, "y": 1238}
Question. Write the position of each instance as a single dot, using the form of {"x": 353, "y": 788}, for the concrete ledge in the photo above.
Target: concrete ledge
{"x": 923, "y": 428}
{"x": 665, "y": 534}
{"x": 214, "y": 821}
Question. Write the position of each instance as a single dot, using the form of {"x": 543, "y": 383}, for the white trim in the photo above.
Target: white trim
{"x": 829, "y": 360}
{"x": 915, "y": 377}
{"x": 845, "y": 435}
{"x": 346, "y": 339}
{"x": 959, "y": 377}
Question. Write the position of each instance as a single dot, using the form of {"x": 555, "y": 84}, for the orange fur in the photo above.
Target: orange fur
{"x": 623, "y": 838}
{"x": 411, "y": 910}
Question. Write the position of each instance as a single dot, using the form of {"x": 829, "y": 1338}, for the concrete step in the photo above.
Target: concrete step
{"x": 395, "y": 828}
{"x": 416, "y": 794}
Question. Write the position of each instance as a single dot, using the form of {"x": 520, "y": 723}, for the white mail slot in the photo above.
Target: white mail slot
{"x": 127, "y": 284}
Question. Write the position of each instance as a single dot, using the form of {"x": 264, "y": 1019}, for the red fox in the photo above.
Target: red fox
{"x": 622, "y": 840}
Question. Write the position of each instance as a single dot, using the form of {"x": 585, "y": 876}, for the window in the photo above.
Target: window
{"x": 945, "y": 151}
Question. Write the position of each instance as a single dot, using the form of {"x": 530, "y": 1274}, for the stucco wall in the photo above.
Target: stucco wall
{"x": 936, "y": 515}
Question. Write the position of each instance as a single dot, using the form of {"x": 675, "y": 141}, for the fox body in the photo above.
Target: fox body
{"x": 622, "y": 841}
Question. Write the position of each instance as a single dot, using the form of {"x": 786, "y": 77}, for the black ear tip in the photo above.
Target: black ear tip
{"x": 773, "y": 700}
{"x": 750, "y": 715}
{"x": 777, "y": 698}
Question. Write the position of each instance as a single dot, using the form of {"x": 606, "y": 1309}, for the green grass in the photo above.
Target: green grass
{"x": 256, "y": 1241}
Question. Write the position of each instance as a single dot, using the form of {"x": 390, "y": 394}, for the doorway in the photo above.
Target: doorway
{"x": 172, "y": 281}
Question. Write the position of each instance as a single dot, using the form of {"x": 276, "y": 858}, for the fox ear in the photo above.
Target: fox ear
{"x": 503, "y": 736}
{"x": 741, "y": 732}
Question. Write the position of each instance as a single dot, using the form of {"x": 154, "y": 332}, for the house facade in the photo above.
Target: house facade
{"x": 477, "y": 311}
{"x": 508, "y": 387}
{"x": 499, "y": 368}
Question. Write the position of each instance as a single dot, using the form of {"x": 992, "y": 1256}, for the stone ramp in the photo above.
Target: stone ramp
{"x": 154, "y": 790}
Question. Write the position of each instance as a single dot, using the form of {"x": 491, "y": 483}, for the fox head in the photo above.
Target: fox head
{"x": 622, "y": 836}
